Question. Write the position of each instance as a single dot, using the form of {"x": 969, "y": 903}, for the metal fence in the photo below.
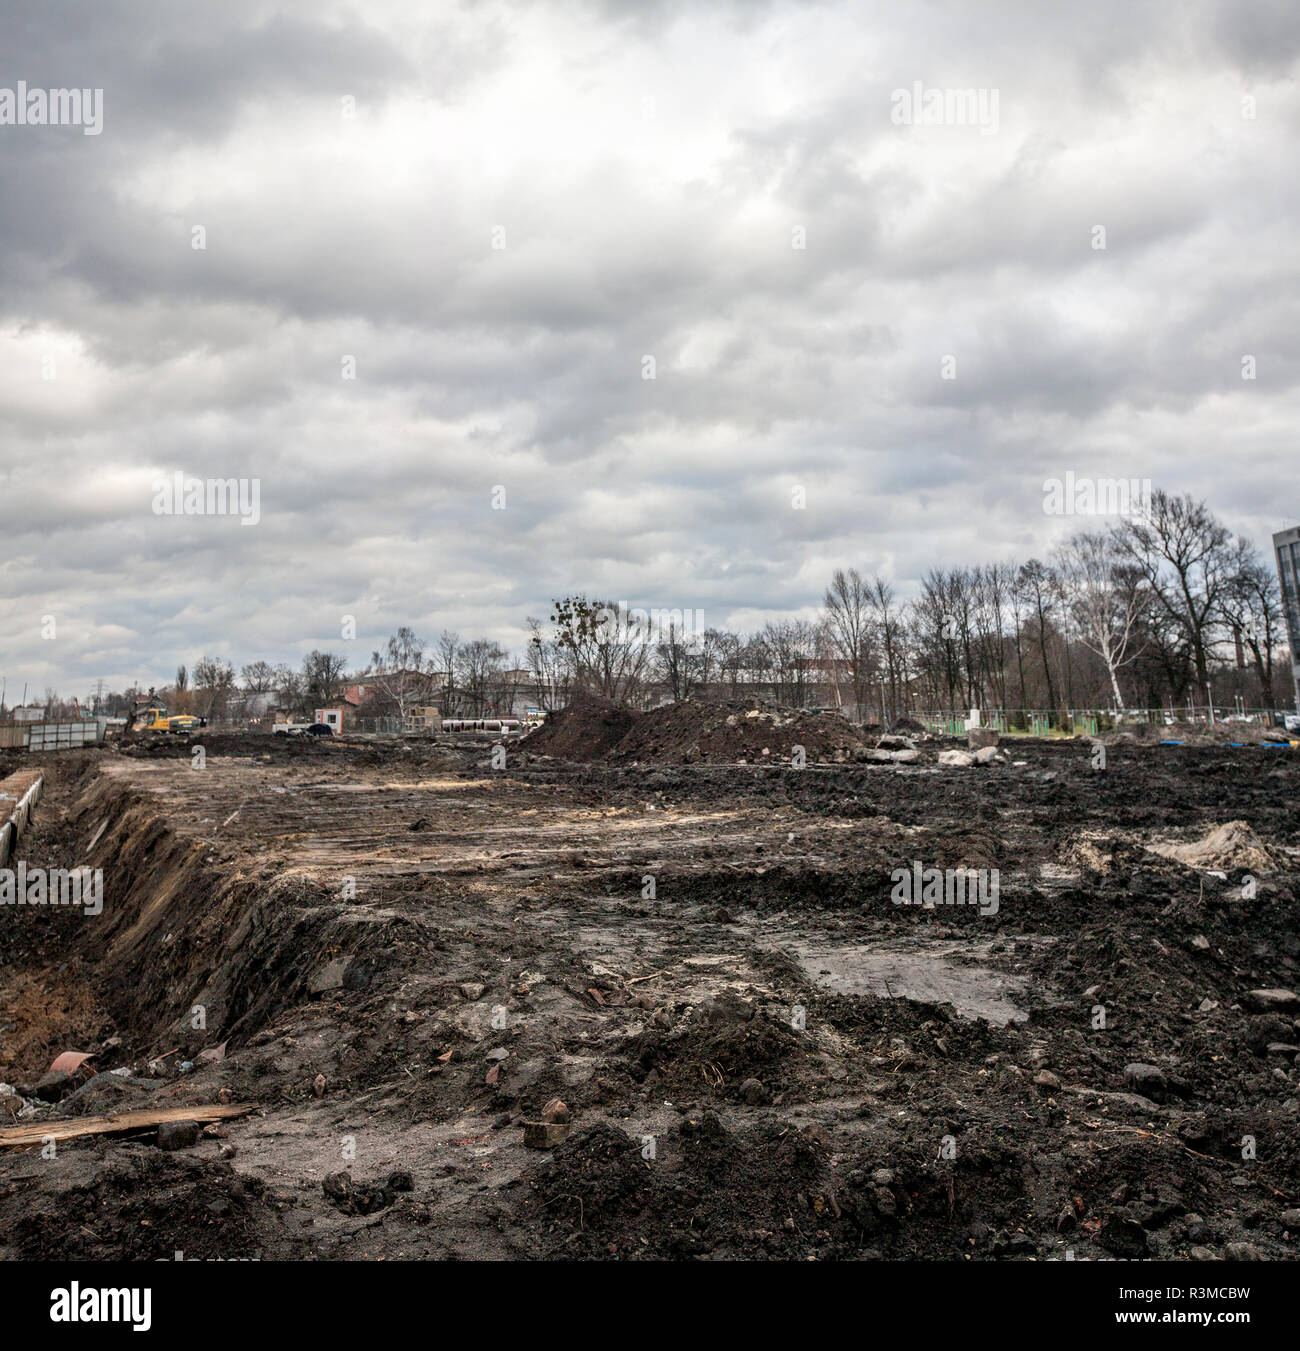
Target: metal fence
{"x": 380, "y": 726}
{"x": 1090, "y": 721}
{"x": 53, "y": 736}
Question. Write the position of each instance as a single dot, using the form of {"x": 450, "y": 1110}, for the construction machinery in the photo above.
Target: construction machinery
{"x": 157, "y": 719}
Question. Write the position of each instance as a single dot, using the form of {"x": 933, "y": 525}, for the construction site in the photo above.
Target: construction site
{"x": 719, "y": 980}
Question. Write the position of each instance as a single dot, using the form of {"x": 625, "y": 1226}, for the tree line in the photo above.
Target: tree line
{"x": 1155, "y": 611}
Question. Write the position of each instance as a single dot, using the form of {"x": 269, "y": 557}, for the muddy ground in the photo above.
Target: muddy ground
{"x": 761, "y": 1054}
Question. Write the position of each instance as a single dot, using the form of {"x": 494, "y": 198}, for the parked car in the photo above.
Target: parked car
{"x": 319, "y": 729}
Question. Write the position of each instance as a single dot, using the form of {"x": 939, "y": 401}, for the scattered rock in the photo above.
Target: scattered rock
{"x": 473, "y": 990}
{"x": 889, "y": 742}
{"x": 327, "y": 977}
{"x": 178, "y": 1134}
{"x": 1046, "y": 1082}
{"x": 355, "y": 1198}
{"x": 544, "y": 1134}
{"x": 956, "y": 759}
{"x": 1271, "y": 1001}
{"x": 556, "y": 1111}
{"x": 1122, "y": 1235}
{"x": 1148, "y": 1080}
{"x": 754, "y": 1093}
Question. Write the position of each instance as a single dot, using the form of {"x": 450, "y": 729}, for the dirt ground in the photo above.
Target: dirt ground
{"x": 402, "y": 954}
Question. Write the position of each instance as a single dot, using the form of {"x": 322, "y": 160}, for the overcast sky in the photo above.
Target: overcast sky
{"x": 498, "y": 212}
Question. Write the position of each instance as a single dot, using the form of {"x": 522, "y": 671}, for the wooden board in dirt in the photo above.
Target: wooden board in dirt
{"x": 123, "y": 1123}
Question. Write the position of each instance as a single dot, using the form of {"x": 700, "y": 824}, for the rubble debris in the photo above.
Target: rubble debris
{"x": 544, "y": 1134}
{"x": 361, "y": 1198}
{"x": 556, "y": 1110}
{"x": 71, "y": 1061}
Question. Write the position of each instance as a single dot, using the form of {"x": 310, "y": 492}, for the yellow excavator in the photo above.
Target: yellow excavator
{"x": 156, "y": 719}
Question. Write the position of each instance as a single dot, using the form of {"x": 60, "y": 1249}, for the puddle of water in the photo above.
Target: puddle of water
{"x": 974, "y": 991}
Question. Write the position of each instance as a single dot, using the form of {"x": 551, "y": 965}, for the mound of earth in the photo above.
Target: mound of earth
{"x": 754, "y": 731}
{"x": 702, "y": 1190}
{"x": 588, "y": 729}
{"x": 729, "y": 1045}
{"x": 694, "y": 731}
{"x": 1230, "y": 845}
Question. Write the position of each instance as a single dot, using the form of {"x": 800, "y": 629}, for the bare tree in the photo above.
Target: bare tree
{"x": 1252, "y": 607}
{"x": 258, "y": 677}
{"x": 478, "y": 664}
{"x": 214, "y": 679}
{"x": 322, "y": 674}
{"x": 941, "y": 631}
{"x": 847, "y": 605}
{"x": 1185, "y": 556}
{"x": 448, "y": 649}
{"x": 787, "y": 648}
{"x": 1105, "y": 599}
{"x": 890, "y": 624}
{"x": 731, "y": 659}
{"x": 181, "y": 697}
{"x": 610, "y": 650}
{"x": 403, "y": 671}
{"x": 551, "y": 666}
{"x": 677, "y": 662}
{"x": 1036, "y": 583}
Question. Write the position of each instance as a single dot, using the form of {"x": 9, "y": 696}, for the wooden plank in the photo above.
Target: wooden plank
{"x": 119, "y": 1123}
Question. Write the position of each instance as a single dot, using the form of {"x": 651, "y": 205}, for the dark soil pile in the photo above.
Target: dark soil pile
{"x": 704, "y": 1190}
{"x": 588, "y": 729}
{"x": 750, "y": 730}
{"x": 695, "y": 731}
{"x": 144, "y": 1206}
{"x": 729, "y": 1046}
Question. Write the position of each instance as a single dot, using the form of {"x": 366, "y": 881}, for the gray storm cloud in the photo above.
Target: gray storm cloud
{"x": 438, "y": 244}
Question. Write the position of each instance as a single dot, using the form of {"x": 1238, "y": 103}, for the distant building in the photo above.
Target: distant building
{"x": 422, "y": 721}
{"x": 1286, "y": 545}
